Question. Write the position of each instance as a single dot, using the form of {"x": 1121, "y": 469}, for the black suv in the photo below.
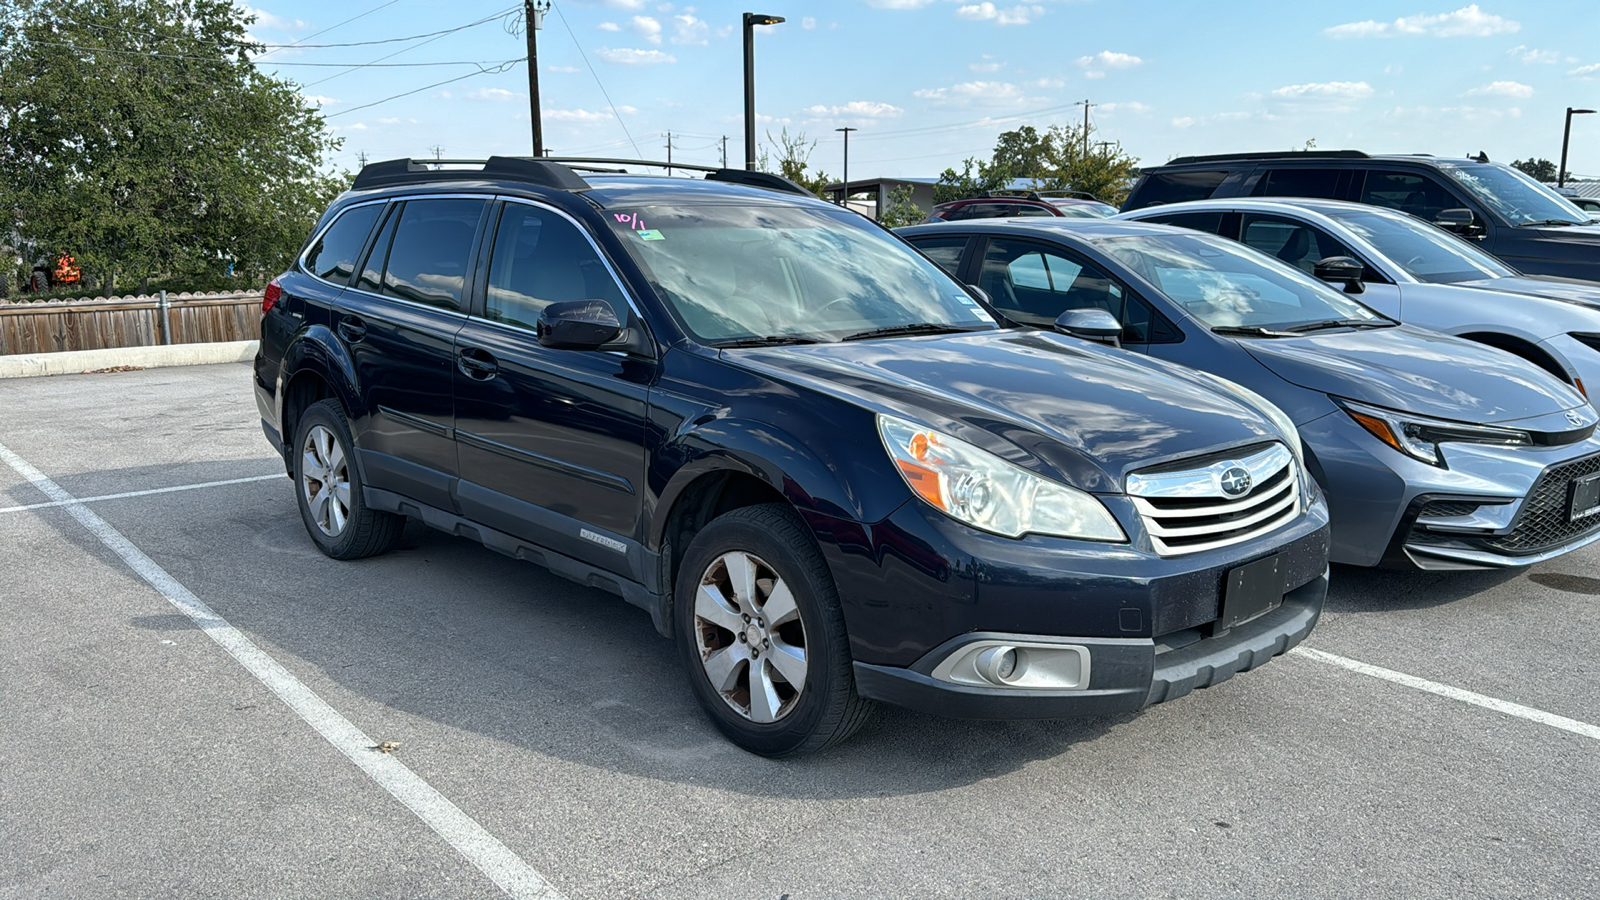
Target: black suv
{"x": 814, "y": 458}
{"x": 1516, "y": 218}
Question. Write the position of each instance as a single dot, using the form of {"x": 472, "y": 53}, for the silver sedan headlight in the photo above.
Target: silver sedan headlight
{"x": 1419, "y": 437}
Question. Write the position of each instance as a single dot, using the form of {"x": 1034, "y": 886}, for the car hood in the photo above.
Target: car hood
{"x": 1417, "y": 371}
{"x": 1056, "y": 405}
{"x": 1570, "y": 289}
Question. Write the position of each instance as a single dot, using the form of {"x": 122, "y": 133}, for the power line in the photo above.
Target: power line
{"x": 146, "y": 54}
{"x": 493, "y": 71}
{"x": 597, "y": 82}
{"x": 415, "y": 37}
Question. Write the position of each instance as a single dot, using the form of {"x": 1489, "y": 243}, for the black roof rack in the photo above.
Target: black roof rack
{"x": 1015, "y": 193}
{"x": 411, "y": 171}
{"x": 730, "y": 176}
{"x": 1281, "y": 154}
{"x": 1075, "y": 195}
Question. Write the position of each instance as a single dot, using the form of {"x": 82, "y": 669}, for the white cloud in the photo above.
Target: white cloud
{"x": 647, "y": 28}
{"x": 625, "y": 4}
{"x": 1132, "y": 106}
{"x": 566, "y": 70}
{"x": 630, "y": 57}
{"x": 609, "y": 26}
{"x": 898, "y": 4}
{"x": 1184, "y": 122}
{"x": 869, "y": 109}
{"x": 1454, "y": 115}
{"x": 1529, "y": 56}
{"x": 575, "y": 115}
{"x": 1325, "y": 90}
{"x": 354, "y": 126}
{"x": 265, "y": 19}
{"x": 494, "y": 94}
{"x": 1095, "y": 66}
{"x": 808, "y": 23}
{"x": 1047, "y": 83}
{"x": 1021, "y": 14}
{"x": 989, "y": 64}
{"x": 1501, "y": 89}
{"x": 686, "y": 29}
{"x": 319, "y": 100}
{"x": 396, "y": 120}
{"x": 1586, "y": 71}
{"x": 1468, "y": 21}
{"x": 993, "y": 93}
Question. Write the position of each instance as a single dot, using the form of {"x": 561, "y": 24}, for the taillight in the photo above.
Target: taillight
{"x": 270, "y": 298}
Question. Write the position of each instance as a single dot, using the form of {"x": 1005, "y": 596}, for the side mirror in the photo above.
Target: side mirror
{"x": 1457, "y": 221}
{"x": 1092, "y": 324}
{"x": 981, "y": 294}
{"x": 1341, "y": 270}
{"x": 578, "y": 325}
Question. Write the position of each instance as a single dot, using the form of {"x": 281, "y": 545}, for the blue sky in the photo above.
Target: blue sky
{"x": 930, "y": 82}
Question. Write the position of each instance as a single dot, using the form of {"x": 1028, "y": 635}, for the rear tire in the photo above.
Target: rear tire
{"x": 39, "y": 282}
{"x": 762, "y": 635}
{"x": 327, "y": 484}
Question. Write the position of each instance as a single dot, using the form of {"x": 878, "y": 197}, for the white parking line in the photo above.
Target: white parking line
{"x": 124, "y": 496}
{"x": 1454, "y": 693}
{"x": 482, "y": 849}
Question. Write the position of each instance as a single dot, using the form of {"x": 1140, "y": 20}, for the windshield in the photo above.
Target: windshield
{"x": 737, "y": 273}
{"x": 1228, "y": 285}
{"x": 1423, "y": 251}
{"x": 1517, "y": 198}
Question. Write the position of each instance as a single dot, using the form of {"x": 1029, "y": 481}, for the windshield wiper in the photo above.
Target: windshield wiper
{"x": 1545, "y": 222}
{"x": 776, "y": 340}
{"x": 1337, "y": 323}
{"x": 1250, "y": 331}
{"x": 906, "y": 330}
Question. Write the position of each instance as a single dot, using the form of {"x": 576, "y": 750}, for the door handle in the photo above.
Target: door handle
{"x": 477, "y": 364}
{"x": 352, "y": 329}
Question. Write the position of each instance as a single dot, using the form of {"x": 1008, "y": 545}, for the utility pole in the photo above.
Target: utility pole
{"x": 362, "y": 158}
{"x": 1085, "y": 104}
{"x": 724, "y": 151}
{"x": 438, "y": 154}
{"x": 844, "y": 196}
{"x": 533, "y": 19}
{"x": 669, "y": 153}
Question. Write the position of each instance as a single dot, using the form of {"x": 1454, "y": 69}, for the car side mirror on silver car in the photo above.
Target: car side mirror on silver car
{"x": 1341, "y": 270}
{"x": 1093, "y": 324}
{"x": 578, "y": 325}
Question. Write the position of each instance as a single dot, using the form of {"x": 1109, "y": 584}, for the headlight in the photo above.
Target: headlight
{"x": 988, "y": 493}
{"x": 1419, "y": 437}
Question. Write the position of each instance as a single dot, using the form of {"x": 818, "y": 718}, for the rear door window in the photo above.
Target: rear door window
{"x": 333, "y": 256}
{"x": 1178, "y": 187}
{"x": 1322, "y": 183}
{"x": 946, "y": 252}
{"x": 1295, "y": 243}
{"x": 540, "y": 258}
{"x": 1209, "y": 222}
{"x": 1417, "y": 194}
{"x": 1035, "y": 284}
{"x": 431, "y": 253}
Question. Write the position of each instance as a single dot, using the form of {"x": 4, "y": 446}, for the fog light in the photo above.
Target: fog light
{"x": 1001, "y": 665}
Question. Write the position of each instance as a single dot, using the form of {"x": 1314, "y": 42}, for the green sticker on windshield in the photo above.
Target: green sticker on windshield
{"x": 650, "y": 235}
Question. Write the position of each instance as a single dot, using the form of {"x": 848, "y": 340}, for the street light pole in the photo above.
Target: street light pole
{"x": 751, "y": 20}
{"x": 844, "y": 197}
{"x": 1566, "y": 133}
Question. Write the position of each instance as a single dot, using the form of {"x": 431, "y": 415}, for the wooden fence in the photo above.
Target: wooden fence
{"x": 128, "y": 322}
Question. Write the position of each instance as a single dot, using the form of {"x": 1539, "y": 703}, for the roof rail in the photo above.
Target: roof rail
{"x": 1283, "y": 154}
{"x": 1076, "y": 195}
{"x": 410, "y": 171}
{"x": 1016, "y": 193}
{"x": 730, "y": 176}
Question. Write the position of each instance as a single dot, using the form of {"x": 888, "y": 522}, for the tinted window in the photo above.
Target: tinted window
{"x": 1033, "y": 284}
{"x": 1210, "y": 222}
{"x": 1512, "y": 194}
{"x": 1026, "y": 210}
{"x": 432, "y": 251}
{"x": 334, "y": 254}
{"x": 1177, "y": 187}
{"x": 1418, "y": 195}
{"x": 983, "y": 211}
{"x": 540, "y": 258}
{"x": 1295, "y": 243}
{"x": 1142, "y": 324}
{"x": 1301, "y": 183}
{"x": 372, "y": 273}
{"x": 944, "y": 251}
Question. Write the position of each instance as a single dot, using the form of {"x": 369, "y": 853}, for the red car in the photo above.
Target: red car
{"x": 1008, "y": 204}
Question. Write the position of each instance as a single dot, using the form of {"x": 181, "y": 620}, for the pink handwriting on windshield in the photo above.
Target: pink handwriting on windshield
{"x": 632, "y": 219}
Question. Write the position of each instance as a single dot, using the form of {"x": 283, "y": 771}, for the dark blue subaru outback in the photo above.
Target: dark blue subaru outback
{"x": 814, "y": 458}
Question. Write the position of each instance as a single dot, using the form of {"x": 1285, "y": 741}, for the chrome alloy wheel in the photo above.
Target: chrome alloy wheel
{"x": 752, "y": 643}
{"x": 325, "y": 480}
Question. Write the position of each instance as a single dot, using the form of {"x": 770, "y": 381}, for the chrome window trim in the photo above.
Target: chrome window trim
{"x": 300, "y": 261}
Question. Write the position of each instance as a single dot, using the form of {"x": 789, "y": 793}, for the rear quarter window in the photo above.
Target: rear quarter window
{"x": 1321, "y": 183}
{"x": 333, "y": 256}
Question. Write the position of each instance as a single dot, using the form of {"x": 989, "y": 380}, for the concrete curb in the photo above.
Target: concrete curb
{"x": 73, "y": 362}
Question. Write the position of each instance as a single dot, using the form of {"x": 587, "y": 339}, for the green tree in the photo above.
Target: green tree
{"x": 966, "y": 183}
{"x": 794, "y": 155}
{"x": 1538, "y": 169}
{"x": 138, "y": 136}
{"x": 899, "y": 209}
{"x": 1061, "y": 158}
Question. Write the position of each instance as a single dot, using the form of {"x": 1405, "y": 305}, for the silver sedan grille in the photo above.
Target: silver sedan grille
{"x": 1226, "y": 502}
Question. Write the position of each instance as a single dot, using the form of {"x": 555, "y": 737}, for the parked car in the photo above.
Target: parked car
{"x": 1007, "y": 204}
{"x": 1409, "y": 270}
{"x": 1435, "y": 451}
{"x": 1512, "y": 216}
{"x": 815, "y": 459}
{"x": 1587, "y": 204}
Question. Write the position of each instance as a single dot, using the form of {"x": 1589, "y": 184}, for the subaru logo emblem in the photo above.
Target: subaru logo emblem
{"x": 1234, "y": 481}
{"x": 1573, "y": 417}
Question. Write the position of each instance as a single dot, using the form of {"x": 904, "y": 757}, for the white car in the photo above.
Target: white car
{"x": 1412, "y": 271}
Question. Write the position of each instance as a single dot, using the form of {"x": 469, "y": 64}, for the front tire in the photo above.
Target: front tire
{"x": 328, "y": 488}
{"x": 762, "y": 635}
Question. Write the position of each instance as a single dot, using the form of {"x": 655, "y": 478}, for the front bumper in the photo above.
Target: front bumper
{"x": 1492, "y": 507}
{"x": 1125, "y": 674}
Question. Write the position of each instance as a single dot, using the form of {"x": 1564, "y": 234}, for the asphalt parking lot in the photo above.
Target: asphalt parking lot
{"x": 191, "y": 698}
